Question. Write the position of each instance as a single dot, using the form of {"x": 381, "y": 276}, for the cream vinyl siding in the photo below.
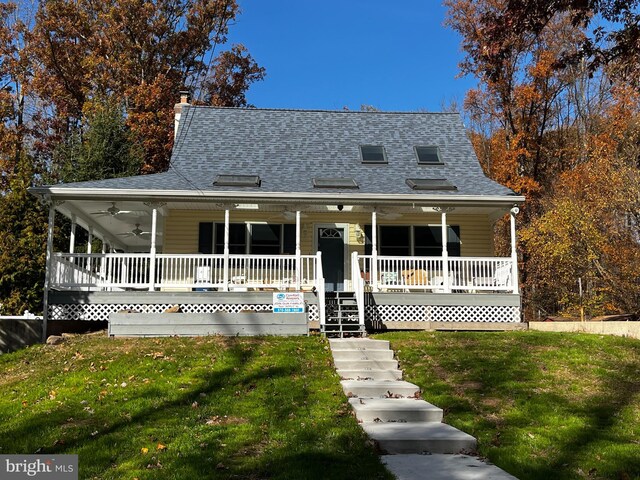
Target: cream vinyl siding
{"x": 182, "y": 226}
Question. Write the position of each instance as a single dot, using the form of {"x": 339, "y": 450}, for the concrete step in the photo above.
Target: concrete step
{"x": 370, "y": 364}
{"x": 378, "y": 388}
{"x": 442, "y": 467}
{"x": 419, "y": 437}
{"x": 363, "y": 354}
{"x": 370, "y": 374}
{"x": 395, "y": 410}
{"x": 358, "y": 344}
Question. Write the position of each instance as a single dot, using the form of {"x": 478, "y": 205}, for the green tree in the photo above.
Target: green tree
{"x": 107, "y": 149}
{"x": 23, "y": 222}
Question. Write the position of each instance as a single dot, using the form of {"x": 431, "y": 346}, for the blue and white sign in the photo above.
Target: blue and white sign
{"x": 288, "y": 302}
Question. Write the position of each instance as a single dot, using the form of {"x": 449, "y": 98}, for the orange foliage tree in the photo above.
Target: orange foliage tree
{"x": 539, "y": 118}
{"x": 142, "y": 53}
{"x": 590, "y": 229}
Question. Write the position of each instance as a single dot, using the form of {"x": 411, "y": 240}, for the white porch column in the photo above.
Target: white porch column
{"x": 225, "y": 280}
{"x": 514, "y": 253}
{"x": 298, "y": 255}
{"x": 152, "y": 249}
{"x": 48, "y": 270}
{"x": 72, "y": 236}
{"x": 374, "y": 250}
{"x": 90, "y": 240}
{"x": 445, "y": 252}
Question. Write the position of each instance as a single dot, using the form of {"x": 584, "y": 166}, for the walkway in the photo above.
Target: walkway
{"x": 408, "y": 429}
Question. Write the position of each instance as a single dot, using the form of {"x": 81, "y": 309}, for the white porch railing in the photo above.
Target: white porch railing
{"x": 465, "y": 274}
{"x": 115, "y": 271}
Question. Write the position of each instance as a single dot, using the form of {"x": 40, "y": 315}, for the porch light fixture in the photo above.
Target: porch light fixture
{"x": 430, "y": 184}
{"x": 428, "y": 155}
{"x": 334, "y": 183}
{"x": 237, "y": 181}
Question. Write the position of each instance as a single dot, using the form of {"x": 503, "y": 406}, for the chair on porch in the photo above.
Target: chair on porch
{"x": 438, "y": 281}
{"x": 415, "y": 277}
{"x": 501, "y": 278}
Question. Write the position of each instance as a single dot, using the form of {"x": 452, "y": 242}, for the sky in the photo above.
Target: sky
{"x": 332, "y": 54}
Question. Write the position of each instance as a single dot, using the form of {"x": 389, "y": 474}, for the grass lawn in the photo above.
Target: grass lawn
{"x": 181, "y": 408}
{"x": 542, "y": 405}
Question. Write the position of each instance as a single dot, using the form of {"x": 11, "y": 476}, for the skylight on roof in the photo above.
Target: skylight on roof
{"x": 430, "y": 184}
{"x": 237, "y": 181}
{"x": 428, "y": 155}
{"x": 373, "y": 154}
{"x": 334, "y": 183}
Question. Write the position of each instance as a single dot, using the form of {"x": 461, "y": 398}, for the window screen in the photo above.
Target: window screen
{"x": 265, "y": 239}
{"x": 237, "y": 238}
{"x": 428, "y": 241}
{"x": 394, "y": 240}
{"x": 205, "y": 237}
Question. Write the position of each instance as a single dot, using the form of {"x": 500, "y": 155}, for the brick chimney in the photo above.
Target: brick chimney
{"x": 177, "y": 109}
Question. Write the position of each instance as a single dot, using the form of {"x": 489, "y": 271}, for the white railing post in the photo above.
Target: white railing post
{"x": 358, "y": 286}
{"x": 319, "y": 280}
{"x": 514, "y": 253}
{"x": 374, "y": 250}
{"x": 103, "y": 264}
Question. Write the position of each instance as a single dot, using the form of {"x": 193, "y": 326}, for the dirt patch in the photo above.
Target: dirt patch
{"x": 225, "y": 420}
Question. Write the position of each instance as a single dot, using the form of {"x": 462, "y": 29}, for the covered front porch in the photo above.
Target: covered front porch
{"x": 317, "y": 249}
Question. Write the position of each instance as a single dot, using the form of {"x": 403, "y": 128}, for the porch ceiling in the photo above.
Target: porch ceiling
{"x": 116, "y": 226}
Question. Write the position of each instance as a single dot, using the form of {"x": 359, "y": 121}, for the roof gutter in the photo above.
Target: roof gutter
{"x": 53, "y": 192}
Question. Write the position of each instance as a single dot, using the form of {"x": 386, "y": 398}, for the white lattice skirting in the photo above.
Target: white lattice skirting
{"x": 439, "y": 313}
{"x": 101, "y": 311}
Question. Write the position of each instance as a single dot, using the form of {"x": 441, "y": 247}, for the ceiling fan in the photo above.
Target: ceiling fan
{"x": 114, "y": 211}
{"x": 137, "y": 232}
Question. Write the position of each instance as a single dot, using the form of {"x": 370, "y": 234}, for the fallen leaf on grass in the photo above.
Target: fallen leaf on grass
{"x": 161, "y": 447}
{"x": 144, "y": 450}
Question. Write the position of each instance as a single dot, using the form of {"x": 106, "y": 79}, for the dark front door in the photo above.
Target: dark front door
{"x": 331, "y": 244}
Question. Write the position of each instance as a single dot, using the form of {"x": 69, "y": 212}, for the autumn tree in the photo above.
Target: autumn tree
{"x": 590, "y": 230}
{"x": 543, "y": 99}
{"x": 139, "y": 53}
{"x": 87, "y": 91}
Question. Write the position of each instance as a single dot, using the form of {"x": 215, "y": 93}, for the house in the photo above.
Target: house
{"x": 378, "y": 219}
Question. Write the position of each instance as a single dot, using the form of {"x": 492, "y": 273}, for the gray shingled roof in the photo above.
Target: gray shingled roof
{"x": 288, "y": 148}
